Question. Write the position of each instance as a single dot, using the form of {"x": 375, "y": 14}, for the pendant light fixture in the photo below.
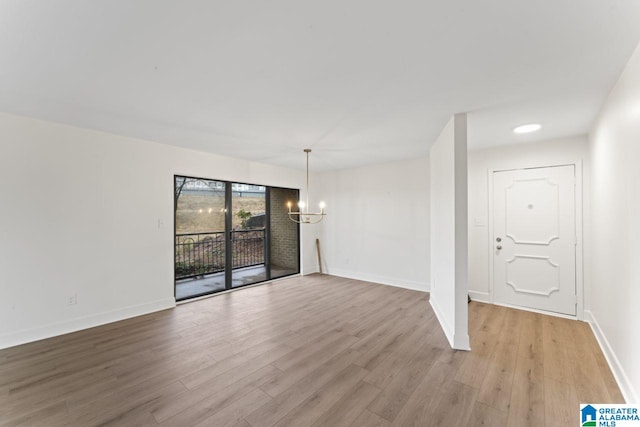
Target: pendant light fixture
{"x": 303, "y": 216}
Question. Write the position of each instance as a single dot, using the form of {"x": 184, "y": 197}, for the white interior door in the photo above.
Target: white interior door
{"x": 534, "y": 241}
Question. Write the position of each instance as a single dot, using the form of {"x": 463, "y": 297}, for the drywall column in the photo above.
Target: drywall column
{"x": 449, "y": 242}
{"x": 615, "y": 293}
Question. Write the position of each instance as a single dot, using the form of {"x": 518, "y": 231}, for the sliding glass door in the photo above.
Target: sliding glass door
{"x": 227, "y": 235}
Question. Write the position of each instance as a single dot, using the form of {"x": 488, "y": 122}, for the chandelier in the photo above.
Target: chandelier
{"x": 302, "y": 216}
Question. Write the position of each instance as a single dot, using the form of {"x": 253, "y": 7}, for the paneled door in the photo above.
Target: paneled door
{"x": 534, "y": 241}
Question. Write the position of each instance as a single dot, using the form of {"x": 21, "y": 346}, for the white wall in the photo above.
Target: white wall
{"x": 547, "y": 153}
{"x": 377, "y": 227}
{"x": 79, "y": 215}
{"x": 448, "y": 160}
{"x": 615, "y": 267}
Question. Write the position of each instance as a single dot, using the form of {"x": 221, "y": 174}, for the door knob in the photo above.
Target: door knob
{"x": 499, "y": 239}
{"x": 499, "y": 247}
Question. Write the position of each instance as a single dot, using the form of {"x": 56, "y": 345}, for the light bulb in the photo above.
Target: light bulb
{"x": 301, "y": 204}
{"x": 322, "y": 205}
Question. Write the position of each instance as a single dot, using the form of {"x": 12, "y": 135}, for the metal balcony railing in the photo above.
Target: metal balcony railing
{"x": 198, "y": 254}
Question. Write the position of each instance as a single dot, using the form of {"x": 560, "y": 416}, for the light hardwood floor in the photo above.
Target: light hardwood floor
{"x": 312, "y": 351}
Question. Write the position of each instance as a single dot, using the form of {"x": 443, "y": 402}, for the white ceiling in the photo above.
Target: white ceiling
{"x": 359, "y": 81}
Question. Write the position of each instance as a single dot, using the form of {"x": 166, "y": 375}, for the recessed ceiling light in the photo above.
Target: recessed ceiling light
{"x": 527, "y": 128}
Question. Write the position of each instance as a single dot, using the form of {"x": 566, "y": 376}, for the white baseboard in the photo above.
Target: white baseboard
{"x": 309, "y": 269}
{"x": 448, "y": 332}
{"x": 621, "y": 377}
{"x": 389, "y": 281}
{"x": 480, "y": 296}
{"x": 79, "y": 323}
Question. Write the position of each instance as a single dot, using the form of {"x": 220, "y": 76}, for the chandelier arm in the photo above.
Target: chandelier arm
{"x": 307, "y": 217}
{"x": 317, "y": 221}
{"x": 308, "y": 213}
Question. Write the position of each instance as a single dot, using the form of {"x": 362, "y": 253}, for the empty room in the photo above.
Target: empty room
{"x": 352, "y": 213}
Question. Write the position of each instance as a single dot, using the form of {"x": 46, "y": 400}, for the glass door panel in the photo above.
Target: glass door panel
{"x": 248, "y": 234}
{"x": 200, "y": 238}
{"x": 284, "y": 254}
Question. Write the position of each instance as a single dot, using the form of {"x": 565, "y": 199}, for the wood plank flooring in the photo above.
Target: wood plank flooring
{"x": 310, "y": 351}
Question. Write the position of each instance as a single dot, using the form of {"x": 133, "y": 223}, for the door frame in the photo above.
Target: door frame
{"x": 579, "y": 210}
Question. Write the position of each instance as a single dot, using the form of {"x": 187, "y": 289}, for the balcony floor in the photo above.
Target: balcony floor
{"x": 210, "y": 283}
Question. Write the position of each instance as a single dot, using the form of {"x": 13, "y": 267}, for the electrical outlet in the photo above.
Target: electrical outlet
{"x": 72, "y": 299}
